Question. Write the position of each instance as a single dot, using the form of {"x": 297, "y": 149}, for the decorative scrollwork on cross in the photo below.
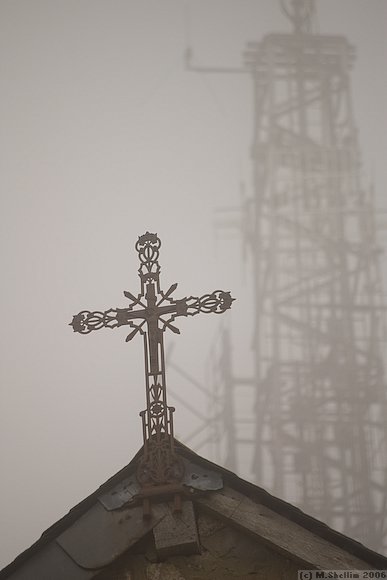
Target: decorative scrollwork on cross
{"x": 150, "y": 314}
{"x": 86, "y": 321}
{"x": 148, "y": 246}
{"x": 216, "y": 302}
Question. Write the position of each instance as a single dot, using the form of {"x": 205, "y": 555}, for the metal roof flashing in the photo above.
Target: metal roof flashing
{"x": 196, "y": 478}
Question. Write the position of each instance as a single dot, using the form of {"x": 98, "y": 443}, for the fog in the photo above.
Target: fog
{"x": 105, "y": 135}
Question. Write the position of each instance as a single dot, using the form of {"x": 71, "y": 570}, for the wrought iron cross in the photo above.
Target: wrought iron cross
{"x": 150, "y": 314}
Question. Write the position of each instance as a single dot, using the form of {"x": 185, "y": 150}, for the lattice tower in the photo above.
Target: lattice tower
{"x": 319, "y": 434}
{"x": 320, "y": 313}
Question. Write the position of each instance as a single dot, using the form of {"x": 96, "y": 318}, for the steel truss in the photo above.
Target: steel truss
{"x": 318, "y": 435}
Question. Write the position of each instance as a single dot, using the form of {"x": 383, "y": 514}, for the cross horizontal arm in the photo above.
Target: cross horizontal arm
{"x": 216, "y": 302}
{"x": 86, "y": 321}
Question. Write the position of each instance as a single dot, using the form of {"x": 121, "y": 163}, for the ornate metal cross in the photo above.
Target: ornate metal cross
{"x": 150, "y": 314}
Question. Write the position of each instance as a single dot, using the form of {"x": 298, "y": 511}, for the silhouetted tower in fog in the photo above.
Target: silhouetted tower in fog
{"x": 319, "y": 437}
{"x": 319, "y": 310}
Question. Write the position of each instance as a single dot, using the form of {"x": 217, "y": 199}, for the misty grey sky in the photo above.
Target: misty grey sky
{"x": 105, "y": 135}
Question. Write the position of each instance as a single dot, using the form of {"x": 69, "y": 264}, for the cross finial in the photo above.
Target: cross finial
{"x": 150, "y": 313}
